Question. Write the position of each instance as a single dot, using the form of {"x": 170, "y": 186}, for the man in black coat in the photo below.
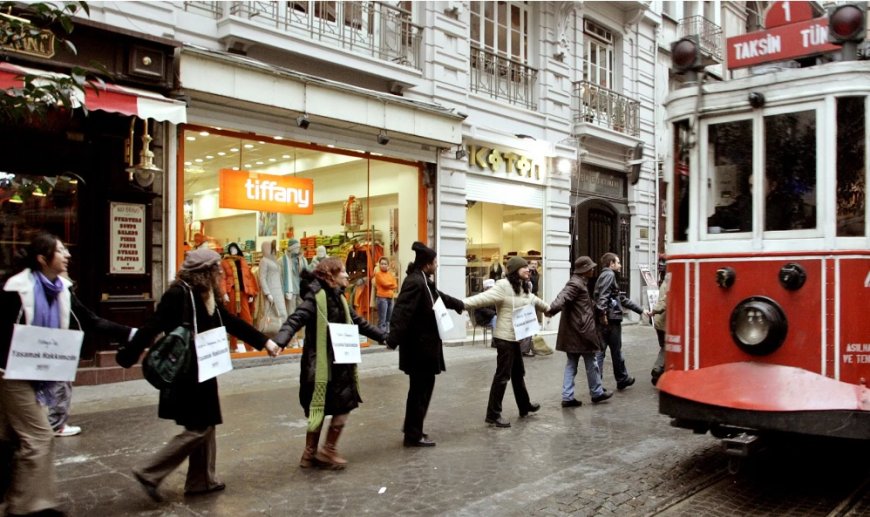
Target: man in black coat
{"x": 413, "y": 326}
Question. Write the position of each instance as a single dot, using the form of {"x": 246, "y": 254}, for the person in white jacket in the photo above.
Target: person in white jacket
{"x": 507, "y": 295}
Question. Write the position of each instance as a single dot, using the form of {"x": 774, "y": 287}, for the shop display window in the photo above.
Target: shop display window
{"x": 32, "y": 203}
{"x": 495, "y": 233}
{"x": 356, "y": 206}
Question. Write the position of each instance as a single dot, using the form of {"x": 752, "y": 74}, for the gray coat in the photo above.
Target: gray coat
{"x": 577, "y": 331}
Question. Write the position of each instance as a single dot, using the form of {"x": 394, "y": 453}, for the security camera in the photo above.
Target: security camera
{"x": 303, "y": 121}
{"x": 461, "y": 153}
{"x": 383, "y": 139}
{"x": 756, "y": 99}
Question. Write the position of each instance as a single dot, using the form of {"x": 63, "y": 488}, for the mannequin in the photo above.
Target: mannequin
{"x": 496, "y": 271}
{"x": 241, "y": 287}
{"x": 270, "y": 281}
{"x": 292, "y": 264}
{"x": 352, "y": 214}
{"x": 321, "y": 254}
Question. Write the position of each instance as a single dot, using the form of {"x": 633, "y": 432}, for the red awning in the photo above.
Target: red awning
{"x": 108, "y": 97}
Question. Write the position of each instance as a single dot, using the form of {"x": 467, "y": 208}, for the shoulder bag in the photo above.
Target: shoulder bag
{"x": 169, "y": 358}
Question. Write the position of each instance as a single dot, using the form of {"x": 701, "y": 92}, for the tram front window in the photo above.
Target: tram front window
{"x": 729, "y": 194}
{"x": 790, "y": 171}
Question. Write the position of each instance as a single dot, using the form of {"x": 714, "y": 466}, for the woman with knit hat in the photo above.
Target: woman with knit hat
{"x": 192, "y": 404}
{"x": 510, "y": 293}
{"x": 414, "y": 328}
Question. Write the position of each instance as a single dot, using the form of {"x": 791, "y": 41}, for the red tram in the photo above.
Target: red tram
{"x": 768, "y": 317}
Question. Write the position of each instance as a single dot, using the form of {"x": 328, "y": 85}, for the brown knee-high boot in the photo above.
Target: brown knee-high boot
{"x": 311, "y": 440}
{"x": 328, "y": 456}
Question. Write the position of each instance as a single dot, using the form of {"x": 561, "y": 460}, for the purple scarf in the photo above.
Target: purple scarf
{"x": 46, "y": 314}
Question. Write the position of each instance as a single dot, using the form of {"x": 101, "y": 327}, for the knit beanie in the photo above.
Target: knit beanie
{"x": 515, "y": 264}
{"x": 200, "y": 260}
{"x": 425, "y": 254}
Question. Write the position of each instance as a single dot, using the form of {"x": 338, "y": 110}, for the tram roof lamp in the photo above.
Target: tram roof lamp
{"x": 846, "y": 23}
{"x": 686, "y": 54}
{"x": 303, "y": 121}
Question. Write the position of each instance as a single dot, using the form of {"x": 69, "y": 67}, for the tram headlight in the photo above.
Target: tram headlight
{"x": 758, "y": 325}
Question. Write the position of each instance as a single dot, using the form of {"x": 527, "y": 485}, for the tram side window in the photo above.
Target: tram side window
{"x": 681, "y": 181}
{"x": 850, "y": 167}
{"x": 729, "y": 190}
{"x": 790, "y": 171}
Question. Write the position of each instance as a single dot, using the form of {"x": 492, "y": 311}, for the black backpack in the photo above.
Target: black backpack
{"x": 169, "y": 359}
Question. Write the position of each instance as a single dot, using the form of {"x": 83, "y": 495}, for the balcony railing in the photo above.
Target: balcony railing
{"x": 709, "y": 35}
{"x": 372, "y": 28}
{"x": 603, "y": 107}
{"x": 503, "y": 78}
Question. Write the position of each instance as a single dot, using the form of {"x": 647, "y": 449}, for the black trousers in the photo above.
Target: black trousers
{"x": 420, "y": 390}
{"x": 509, "y": 367}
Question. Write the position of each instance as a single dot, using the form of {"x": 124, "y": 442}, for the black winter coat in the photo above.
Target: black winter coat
{"x": 341, "y": 389}
{"x": 609, "y": 299}
{"x": 190, "y": 403}
{"x": 577, "y": 332}
{"x": 413, "y": 328}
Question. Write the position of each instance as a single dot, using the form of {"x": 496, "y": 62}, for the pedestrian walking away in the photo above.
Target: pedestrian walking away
{"x": 192, "y": 300}
{"x": 414, "y": 331}
{"x": 325, "y": 387}
{"x": 508, "y": 295}
{"x": 610, "y": 303}
{"x": 578, "y": 334}
{"x": 38, "y": 295}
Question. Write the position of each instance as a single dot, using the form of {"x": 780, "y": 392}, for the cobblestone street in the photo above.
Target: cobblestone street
{"x": 616, "y": 458}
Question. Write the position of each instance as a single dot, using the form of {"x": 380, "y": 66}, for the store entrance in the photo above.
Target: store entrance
{"x": 596, "y": 229}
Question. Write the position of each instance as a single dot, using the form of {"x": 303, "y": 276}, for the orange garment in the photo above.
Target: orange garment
{"x": 238, "y": 303}
{"x": 385, "y": 284}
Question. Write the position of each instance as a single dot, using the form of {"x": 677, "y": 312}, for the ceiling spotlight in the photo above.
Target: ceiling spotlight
{"x": 461, "y": 153}
{"x": 383, "y": 139}
{"x": 303, "y": 121}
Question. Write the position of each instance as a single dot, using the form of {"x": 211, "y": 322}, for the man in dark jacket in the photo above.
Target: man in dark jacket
{"x": 578, "y": 335}
{"x": 413, "y": 326}
{"x": 609, "y": 303}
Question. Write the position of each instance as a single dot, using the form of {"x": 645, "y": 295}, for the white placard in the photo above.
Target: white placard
{"x": 127, "y": 239}
{"x": 43, "y": 354}
{"x": 213, "y": 353}
{"x": 345, "y": 343}
{"x": 652, "y": 296}
{"x": 442, "y": 319}
{"x": 525, "y": 322}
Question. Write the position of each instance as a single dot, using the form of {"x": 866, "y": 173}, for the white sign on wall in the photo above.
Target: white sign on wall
{"x": 127, "y": 239}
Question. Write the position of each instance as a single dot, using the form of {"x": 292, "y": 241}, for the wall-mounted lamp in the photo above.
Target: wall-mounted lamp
{"x": 383, "y": 139}
{"x": 143, "y": 172}
{"x": 303, "y": 121}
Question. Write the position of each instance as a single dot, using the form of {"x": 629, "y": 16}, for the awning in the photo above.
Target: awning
{"x": 109, "y": 97}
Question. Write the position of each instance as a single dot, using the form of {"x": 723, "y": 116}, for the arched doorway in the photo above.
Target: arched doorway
{"x": 596, "y": 228}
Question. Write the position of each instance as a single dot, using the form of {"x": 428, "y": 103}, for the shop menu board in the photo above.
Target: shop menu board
{"x": 127, "y": 239}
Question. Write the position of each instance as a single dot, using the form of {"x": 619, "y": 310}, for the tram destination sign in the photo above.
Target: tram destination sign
{"x": 795, "y": 40}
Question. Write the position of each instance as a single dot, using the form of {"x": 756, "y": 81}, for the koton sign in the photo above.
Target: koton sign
{"x": 780, "y": 43}
{"x": 247, "y": 190}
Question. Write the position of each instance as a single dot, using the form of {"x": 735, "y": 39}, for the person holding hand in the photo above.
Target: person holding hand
{"x": 325, "y": 387}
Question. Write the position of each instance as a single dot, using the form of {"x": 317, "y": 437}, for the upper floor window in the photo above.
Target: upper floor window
{"x": 753, "y": 17}
{"x": 598, "y": 63}
{"x": 501, "y": 28}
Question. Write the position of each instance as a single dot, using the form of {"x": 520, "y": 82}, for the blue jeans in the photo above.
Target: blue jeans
{"x": 593, "y": 375}
{"x": 612, "y": 336}
{"x": 385, "y": 310}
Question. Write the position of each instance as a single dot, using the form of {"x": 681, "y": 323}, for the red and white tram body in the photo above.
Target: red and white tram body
{"x": 768, "y": 310}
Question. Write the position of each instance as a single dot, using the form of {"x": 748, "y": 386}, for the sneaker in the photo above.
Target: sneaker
{"x": 571, "y": 403}
{"x": 68, "y": 430}
{"x": 624, "y": 384}
{"x": 601, "y": 398}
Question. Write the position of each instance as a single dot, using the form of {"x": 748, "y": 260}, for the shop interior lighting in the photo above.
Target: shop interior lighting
{"x": 16, "y": 199}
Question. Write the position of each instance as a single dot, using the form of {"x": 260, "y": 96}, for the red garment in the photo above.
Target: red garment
{"x": 238, "y": 303}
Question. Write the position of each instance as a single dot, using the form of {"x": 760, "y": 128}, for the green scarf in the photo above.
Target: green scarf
{"x": 321, "y": 373}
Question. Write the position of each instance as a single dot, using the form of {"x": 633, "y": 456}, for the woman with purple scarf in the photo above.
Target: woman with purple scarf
{"x": 38, "y": 295}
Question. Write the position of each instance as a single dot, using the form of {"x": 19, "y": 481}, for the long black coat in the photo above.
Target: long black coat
{"x": 577, "y": 330}
{"x": 341, "y": 391}
{"x": 413, "y": 328}
{"x": 189, "y": 402}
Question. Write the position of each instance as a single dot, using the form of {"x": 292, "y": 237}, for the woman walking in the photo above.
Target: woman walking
{"x": 38, "y": 295}
{"x": 325, "y": 387}
{"x": 509, "y": 294}
{"x": 195, "y": 294}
